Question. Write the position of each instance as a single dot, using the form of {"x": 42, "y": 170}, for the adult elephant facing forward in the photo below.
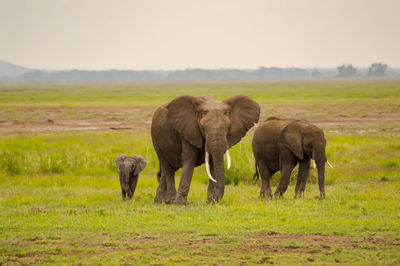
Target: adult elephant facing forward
{"x": 189, "y": 131}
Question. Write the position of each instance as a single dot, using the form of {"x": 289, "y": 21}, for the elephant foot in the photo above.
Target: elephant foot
{"x": 299, "y": 195}
{"x": 265, "y": 195}
{"x": 169, "y": 201}
{"x": 321, "y": 196}
{"x": 159, "y": 199}
{"x": 278, "y": 195}
{"x": 213, "y": 199}
{"x": 181, "y": 201}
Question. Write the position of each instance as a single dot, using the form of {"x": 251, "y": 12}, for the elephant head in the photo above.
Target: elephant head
{"x": 130, "y": 165}
{"x": 304, "y": 139}
{"x": 129, "y": 169}
{"x": 214, "y": 126}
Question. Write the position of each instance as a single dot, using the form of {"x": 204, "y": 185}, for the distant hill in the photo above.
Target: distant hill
{"x": 11, "y": 71}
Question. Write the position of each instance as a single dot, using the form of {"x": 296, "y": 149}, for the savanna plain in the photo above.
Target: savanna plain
{"x": 60, "y": 199}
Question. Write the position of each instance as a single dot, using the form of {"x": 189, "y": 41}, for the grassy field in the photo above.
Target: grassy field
{"x": 151, "y": 94}
{"x": 60, "y": 197}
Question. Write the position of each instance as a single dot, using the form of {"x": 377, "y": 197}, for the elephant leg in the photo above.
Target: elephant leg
{"x": 304, "y": 169}
{"x": 161, "y": 193}
{"x": 266, "y": 174}
{"x": 170, "y": 180}
{"x": 190, "y": 157}
{"x": 184, "y": 185}
{"x": 123, "y": 192}
{"x": 165, "y": 170}
{"x": 133, "y": 182}
{"x": 126, "y": 191}
{"x": 286, "y": 170}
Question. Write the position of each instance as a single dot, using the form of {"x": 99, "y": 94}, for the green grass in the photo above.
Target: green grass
{"x": 60, "y": 200}
{"x": 91, "y": 153}
{"x": 60, "y": 203}
{"x": 71, "y": 218}
{"x": 151, "y": 94}
{"x": 355, "y": 157}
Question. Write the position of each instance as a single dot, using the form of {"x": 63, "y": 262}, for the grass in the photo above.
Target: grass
{"x": 60, "y": 199}
{"x": 151, "y": 94}
{"x": 69, "y": 218}
{"x": 80, "y": 153}
{"x": 356, "y": 157}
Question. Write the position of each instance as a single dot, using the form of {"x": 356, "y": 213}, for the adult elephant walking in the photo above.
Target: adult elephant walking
{"x": 189, "y": 131}
{"x": 280, "y": 144}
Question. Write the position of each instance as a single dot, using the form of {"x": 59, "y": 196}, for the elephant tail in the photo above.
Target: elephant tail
{"x": 256, "y": 176}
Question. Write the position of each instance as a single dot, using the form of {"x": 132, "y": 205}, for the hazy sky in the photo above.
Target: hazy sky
{"x": 175, "y": 34}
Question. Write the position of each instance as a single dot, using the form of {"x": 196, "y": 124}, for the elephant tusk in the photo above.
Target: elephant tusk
{"x": 313, "y": 163}
{"x": 228, "y": 158}
{"x": 208, "y": 167}
{"x": 329, "y": 164}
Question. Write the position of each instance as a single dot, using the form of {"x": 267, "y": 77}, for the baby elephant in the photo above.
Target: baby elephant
{"x": 129, "y": 169}
{"x": 280, "y": 144}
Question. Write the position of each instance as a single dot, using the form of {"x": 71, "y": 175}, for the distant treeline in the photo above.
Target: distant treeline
{"x": 194, "y": 74}
{"x": 187, "y": 74}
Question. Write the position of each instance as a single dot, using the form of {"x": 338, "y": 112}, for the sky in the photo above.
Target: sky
{"x": 178, "y": 34}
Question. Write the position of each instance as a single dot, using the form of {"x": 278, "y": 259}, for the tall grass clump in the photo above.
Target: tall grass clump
{"x": 11, "y": 163}
{"x": 242, "y": 168}
{"x": 87, "y": 153}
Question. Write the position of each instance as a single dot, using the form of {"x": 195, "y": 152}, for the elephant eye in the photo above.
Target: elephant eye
{"x": 309, "y": 145}
{"x": 205, "y": 112}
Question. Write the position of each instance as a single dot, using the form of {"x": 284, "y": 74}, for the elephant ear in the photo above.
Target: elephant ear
{"x": 120, "y": 160}
{"x": 245, "y": 112}
{"x": 140, "y": 164}
{"x": 182, "y": 116}
{"x": 292, "y": 139}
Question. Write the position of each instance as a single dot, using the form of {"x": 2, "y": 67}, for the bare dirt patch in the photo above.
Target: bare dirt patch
{"x": 355, "y": 118}
{"x": 351, "y": 117}
{"x": 240, "y": 248}
{"x": 24, "y": 120}
{"x": 298, "y": 243}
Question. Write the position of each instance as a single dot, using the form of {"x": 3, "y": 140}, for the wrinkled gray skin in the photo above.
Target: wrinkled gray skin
{"x": 129, "y": 169}
{"x": 280, "y": 144}
{"x": 185, "y": 128}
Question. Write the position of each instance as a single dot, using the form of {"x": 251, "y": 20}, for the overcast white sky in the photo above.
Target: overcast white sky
{"x": 175, "y": 34}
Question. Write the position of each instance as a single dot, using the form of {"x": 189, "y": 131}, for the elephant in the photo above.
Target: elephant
{"x": 190, "y": 131}
{"x": 279, "y": 145}
{"x": 129, "y": 169}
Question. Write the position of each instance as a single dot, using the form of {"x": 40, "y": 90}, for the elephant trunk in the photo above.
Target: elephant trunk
{"x": 217, "y": 148}
{"x": 218, "y": 159}
{"x": 320, "y": 158}
{"x": 321, "y": 178}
